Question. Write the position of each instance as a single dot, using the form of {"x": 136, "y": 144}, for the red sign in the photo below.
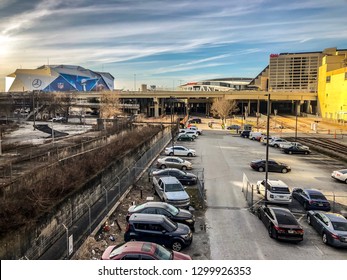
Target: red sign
{"x": 274, "y": 55}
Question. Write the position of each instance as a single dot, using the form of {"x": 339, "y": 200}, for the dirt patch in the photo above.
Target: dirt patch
{"x": 111, "y": 233}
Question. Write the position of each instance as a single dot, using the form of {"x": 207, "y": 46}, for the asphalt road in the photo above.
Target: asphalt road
{"x": 234, "y": 232}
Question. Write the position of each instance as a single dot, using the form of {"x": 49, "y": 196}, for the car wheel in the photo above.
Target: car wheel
{"x": 309, "y": 219}
{"x": 177, "y": 246}
{"x": 163, "y": 166}
{"x": 290, "y": 152}
{"x": 171, "y": 154}
{"x": 276, "y": 146}
{"x": 261, "y": 169}
{"x": 346, "y": 181}
{"x": 273, "y": 233}
{"x": 284, "y": 170}
{"x": 325, "y": 238}
{"x": 270, "y": 231}
{"x": 306, "y": 153}
{"x": 132, "y": 239}
{"x": 190, "y": 154}
{"x": 184, "y": 167}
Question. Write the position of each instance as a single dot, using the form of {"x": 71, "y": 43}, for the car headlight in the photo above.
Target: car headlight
{"x": 190, "y": 221}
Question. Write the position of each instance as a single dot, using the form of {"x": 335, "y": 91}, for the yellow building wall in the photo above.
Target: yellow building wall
{"x": 332, "y": 96}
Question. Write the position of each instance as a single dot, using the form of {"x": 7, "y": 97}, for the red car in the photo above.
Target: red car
{"x": 137, "y": 250}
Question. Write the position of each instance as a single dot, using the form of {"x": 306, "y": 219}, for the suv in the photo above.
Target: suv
{"x": 245, "y": 133}
{"x": 170, "y": 190}
{"x": 158, "y": 229}
{"x": 276, "y": 191}
{"x": 195, "y": 120}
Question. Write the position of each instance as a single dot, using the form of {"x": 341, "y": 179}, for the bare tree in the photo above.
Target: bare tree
{"x": 223, "y": 108}
{"x": 109, "y": 106}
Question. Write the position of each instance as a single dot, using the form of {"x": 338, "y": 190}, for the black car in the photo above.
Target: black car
{"x": 234, "y": 127}
{"x": 185, "y": 137}
{"x": 156, "y": 207}
{"x": 195, "y": 120}
{"x": 159, "y": 229}
{"x": 273, "y": 166}
{"x": 311, "y": 199}
{"x": 245, "y": 133}
{"x": 332, "y": 227}
{"x": 296, "y": 150}
{"x": 185, "y": 178}
{"x": 281, "y": 223}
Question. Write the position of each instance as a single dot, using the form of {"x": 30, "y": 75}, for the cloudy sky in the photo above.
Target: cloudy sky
{"x": 165, "y": 42}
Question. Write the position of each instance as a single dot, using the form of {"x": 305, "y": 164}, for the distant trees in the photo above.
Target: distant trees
{"x": 109, "y": 105}
{"x": 223, "y": 108}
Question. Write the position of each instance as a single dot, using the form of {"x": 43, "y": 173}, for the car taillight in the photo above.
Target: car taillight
{"x": 280, "y": 230}
{"x": 310, "y": 202}
{"x": 300, "y": 231}
{"x": 335, "y": 236}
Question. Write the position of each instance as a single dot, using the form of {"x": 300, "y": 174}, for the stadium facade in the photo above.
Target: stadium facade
{"x": 221, "y": 84}
{"x": 58, "y": 78}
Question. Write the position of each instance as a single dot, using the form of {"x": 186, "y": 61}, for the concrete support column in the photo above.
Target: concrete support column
{"x": 308, "y": 108}
{"x": 156, "y": 107}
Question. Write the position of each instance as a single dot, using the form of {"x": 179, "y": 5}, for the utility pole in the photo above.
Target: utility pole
{"x": 267, "y": 145}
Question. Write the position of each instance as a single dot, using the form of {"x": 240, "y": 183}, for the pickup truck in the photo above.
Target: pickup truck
{"x": 170, "y": 190}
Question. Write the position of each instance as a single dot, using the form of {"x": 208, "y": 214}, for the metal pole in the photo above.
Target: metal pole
{"x": 267, "y": 145}
{"x": 296, "y": 126}
{"x": 172, "y": 133}
{"x": 34, "y": 109}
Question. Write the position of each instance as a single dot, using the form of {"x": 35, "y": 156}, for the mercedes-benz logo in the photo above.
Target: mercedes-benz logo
{"x": 36, "y": 83}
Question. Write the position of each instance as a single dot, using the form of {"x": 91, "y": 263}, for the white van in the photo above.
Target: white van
{"x": 255, "y": 135}
{"x": 277, "y": 191}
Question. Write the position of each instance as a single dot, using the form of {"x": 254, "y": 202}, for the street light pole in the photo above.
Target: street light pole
{"x": 172, "y": 132}
{"x": 34, "y": 109}
{"x": 267, "y": 146}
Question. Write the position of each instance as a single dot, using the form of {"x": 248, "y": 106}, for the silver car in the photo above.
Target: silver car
{"x": 331, "y": 227}
{"x": 174, "y": 162}
{"x": 180, "y": 151}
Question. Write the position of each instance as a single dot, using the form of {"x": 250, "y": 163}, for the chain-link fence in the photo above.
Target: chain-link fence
{"x": 104, "y": 192}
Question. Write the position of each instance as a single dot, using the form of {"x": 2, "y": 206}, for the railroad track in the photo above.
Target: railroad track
{"x": 323, "y": 145}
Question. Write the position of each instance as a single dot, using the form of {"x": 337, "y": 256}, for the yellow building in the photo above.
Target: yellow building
{"x": 332, "y": 86}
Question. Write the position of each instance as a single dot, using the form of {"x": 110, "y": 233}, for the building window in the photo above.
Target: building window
{"x": 328, "y": 79}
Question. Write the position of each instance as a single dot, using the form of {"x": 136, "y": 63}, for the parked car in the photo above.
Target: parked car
{"x": 139, "y": 250}
{"x": 185, "y": 137}
{"x": 273, "y": 166}
{"x": 192, "y": 127}
{"x": 158, "y": 229}
{"x": 234, "y": 127}
{"x": 276, "y": 142}
{"x": 176, "y": 214}
{"x": 280, "y": 223}
{"x": 340, "y": 175}
{"x": 193, "y": 133}
{"x": 184, "y": 177}
{"x": 245, "y": 133}
{"x": 285, "y": 145}
{"x": 170, "y": 190}
{"x": 175, "y": 162}
{"x": 311, "y": 199}
{"x": 263, "y": 139}
{"x": 296, "y": 150}
{"x": 180, "y": 151}
{"x": 195, "y": 120}
{"x": 331, "y": 226}
{"x": 276, "y": 191}
{"x": 58, "y": 119}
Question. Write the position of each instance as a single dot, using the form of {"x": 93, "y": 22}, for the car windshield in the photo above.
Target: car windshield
{"x": 343, "y": 171}
{"x": 170, "y": 225}
{"x": 172, "y": 209}
{"x": 162, "y": 254}
{"x": 140, "y": 207}
{"x": 340, "y": 226}
{"x": 173, "y": 188}
{"x": 117, "y": 250}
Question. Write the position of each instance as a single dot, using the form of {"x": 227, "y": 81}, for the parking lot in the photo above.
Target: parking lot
{"x": 234, "y": 232}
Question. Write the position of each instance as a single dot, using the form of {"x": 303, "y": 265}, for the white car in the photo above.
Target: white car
{"x": 194, "y": 128}
{"x": 277, "y": 191}
{"x": 277, "y": 141}
{"x": 180, "y": 151}
{"x": 286, "y": 145}
{"x": 340, "y": 175}
{"x": 191, "y": 133}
